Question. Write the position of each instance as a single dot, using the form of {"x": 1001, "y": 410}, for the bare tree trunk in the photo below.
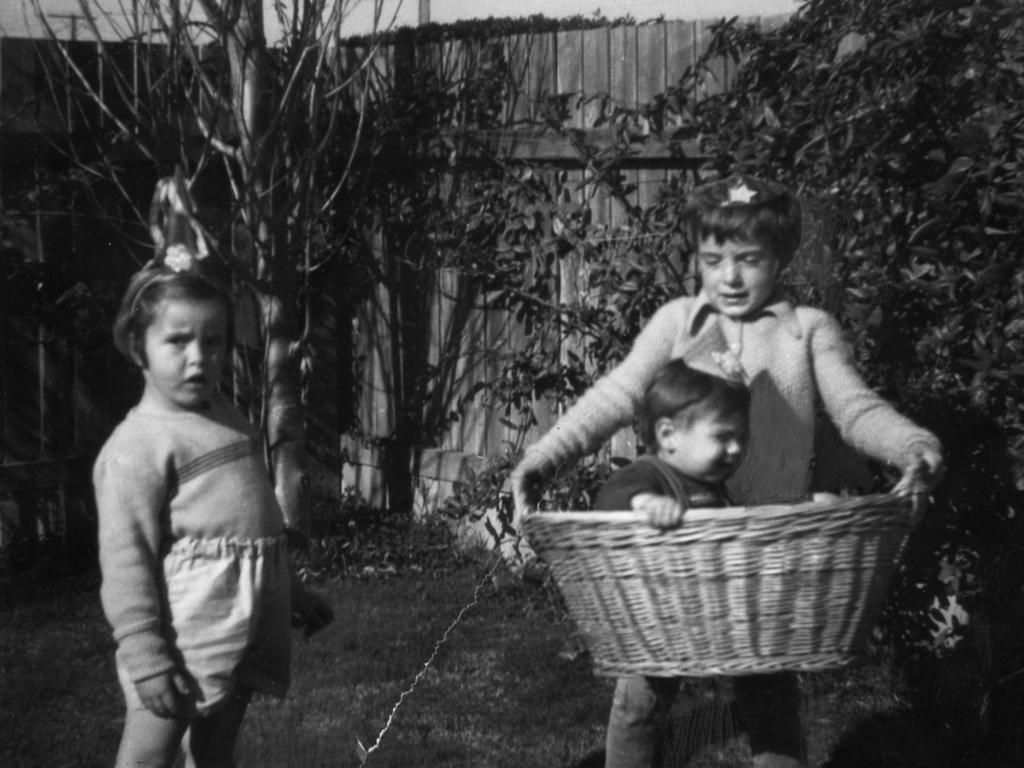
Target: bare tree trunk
{"x": 283, "y": 418}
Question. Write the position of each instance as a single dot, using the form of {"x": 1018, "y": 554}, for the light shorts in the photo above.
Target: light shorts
{"x": 230, "y": 617}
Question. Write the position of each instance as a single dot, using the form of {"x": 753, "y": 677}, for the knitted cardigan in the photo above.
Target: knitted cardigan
{"x": 792, "y": 356}
{"x": 161, "y": 477}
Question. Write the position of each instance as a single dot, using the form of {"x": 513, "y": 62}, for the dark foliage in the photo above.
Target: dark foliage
{"x": 903, "y": 122}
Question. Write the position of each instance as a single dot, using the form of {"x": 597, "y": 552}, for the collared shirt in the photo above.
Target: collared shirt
{"x": 778, "y": 307}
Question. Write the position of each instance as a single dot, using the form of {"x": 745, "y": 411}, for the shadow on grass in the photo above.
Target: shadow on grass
{"x": 909, "y": 740}
{"x": 899, "y": 740}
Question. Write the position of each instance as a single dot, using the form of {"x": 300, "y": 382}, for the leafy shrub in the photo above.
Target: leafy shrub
{"x": 351, "y": 539}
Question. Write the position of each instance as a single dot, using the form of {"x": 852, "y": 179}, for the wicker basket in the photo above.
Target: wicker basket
{"x": 733, "y": 591}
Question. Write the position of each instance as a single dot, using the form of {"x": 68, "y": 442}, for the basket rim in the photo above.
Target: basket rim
{"x": 723, "y": 514}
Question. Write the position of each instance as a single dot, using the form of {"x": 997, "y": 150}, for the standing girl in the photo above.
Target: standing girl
{"x": 198, "y": 584}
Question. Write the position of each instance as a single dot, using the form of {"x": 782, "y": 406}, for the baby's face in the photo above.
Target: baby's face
{"x": 738, "y": 276}
{"x": 707, "y": 447}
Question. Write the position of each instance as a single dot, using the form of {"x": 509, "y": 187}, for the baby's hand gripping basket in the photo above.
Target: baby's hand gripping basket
{"x": 734, "y": 591}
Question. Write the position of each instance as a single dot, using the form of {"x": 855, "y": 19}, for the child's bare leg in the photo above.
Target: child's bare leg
{"x": 149, "y": 741}
{"x": 640, "y": 712}
{"x": 210, "y": 742}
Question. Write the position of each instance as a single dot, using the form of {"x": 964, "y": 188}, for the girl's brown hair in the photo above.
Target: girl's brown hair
{"x": 152, "y": 285}
{"x": 679, "y": 389}
{"x": 746, "y": 208}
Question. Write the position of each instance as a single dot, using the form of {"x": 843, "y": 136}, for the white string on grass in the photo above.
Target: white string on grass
{"x": 365, "y": 752}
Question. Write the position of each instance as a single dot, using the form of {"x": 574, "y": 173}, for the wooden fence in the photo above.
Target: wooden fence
{"x": 587, "y": 72}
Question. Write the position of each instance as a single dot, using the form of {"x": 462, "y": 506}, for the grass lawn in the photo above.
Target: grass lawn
{"x": 498, "y": 694}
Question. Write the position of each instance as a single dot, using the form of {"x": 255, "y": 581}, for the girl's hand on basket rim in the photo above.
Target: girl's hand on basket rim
{"x": 923, "y": 468}
{"x": 663, "y": 512}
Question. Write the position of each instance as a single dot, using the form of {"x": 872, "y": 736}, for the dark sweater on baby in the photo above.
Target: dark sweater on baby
{"x": 646, "y": 475}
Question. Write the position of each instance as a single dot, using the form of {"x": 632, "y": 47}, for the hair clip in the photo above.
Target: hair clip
{"x": 738, "y": 190}
{"x": 178, "y": 258}
{"x": 740, "y": 194}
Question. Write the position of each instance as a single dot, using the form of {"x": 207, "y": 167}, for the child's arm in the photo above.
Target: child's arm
{"x": 638, "y": 486}
{"x": 865, "y": 420}
{"x": 130, "y": 499}
{"x": 166, "y": 695}
{"x": 924, "y": 467}
{"x": 663, "y": 512}
{"x": 606, "y": 407}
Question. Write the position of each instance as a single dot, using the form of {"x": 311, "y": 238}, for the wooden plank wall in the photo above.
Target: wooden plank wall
{"x": 594, "y": 70}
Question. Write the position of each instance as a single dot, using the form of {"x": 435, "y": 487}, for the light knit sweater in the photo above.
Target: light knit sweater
{"x": 161, "y": 478}
{"x": 792, "y": 356}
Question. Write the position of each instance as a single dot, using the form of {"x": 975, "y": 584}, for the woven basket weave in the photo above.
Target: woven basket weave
{"x": 734, "y": 591}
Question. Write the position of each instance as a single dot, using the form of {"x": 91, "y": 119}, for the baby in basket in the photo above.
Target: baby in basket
{"x": 694, "y": 427}
{"x": 745, "y": 232}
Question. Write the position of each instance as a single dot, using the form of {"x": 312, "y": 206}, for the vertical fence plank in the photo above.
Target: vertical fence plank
{"x": 350, "y": 60}
{"x": 570, "y": 73}
{"x": 440, "y": 314}
{"x": 622, "y": 58}
{"x": 650, "y": 40}
{"x": 81, "y": 108}
{"x": 501, "y": 338}
{"x": 651, "y": 81}
{"x": 596, "y": 93}
{"x": 475, "y": 420}
{"x": 570, "y": 84}
{"x": 596, "y": 77}
{"x": 380, "y": 73}
{"x": 463, "y": 333}
{"x": 681, "y": 58}
{"x": 518, "y": 107}
{"x": 681, "y": 53}
{"x": 430, "y": 58}
{"x": 542, "y": 72}
{"x": 453, "y": 64}
{"x": 118, "y": 75}
{"x": 31, "y": 104}
{"x": 718, "y": 69}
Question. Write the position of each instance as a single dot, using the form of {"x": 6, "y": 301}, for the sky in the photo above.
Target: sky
{"x": 18, "y": 17}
